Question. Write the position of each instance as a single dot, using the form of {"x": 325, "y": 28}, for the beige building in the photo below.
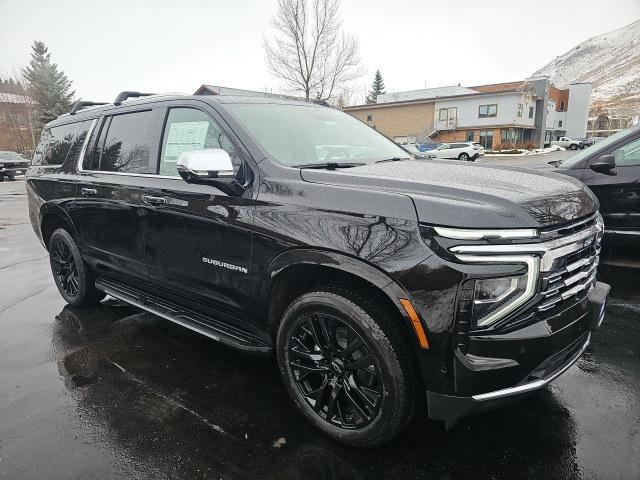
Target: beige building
{"x": 528, "y": 113}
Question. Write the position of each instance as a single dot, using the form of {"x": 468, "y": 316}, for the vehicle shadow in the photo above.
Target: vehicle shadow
{"x": 187, "y": 407}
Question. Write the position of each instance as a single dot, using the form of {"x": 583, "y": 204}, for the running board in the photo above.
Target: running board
{"x": 220, "y": 331}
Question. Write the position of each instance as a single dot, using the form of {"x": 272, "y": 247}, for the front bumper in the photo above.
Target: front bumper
{"x": 12, "y": 171}
{"x": 552, "y": 355}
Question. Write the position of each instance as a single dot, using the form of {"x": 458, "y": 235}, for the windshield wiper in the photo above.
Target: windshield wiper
{"x": 393, "y": 159}
{"x": 328, "y": 165}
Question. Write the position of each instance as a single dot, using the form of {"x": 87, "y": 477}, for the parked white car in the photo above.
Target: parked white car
{"x": 465, "y": 151}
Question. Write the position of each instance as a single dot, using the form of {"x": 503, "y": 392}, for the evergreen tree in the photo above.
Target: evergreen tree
{"x": 49, "y": 87}
{"x": 377, "y": 88}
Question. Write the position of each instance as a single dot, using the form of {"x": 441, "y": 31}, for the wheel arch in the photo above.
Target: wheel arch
{"x": 296, "y": 271}
{"x": 53, "y": 217}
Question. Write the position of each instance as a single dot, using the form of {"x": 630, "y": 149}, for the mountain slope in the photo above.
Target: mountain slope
{"x": 611, "y": 62}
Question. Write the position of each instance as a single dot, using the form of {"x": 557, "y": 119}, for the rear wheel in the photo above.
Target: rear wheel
{"x": 346, "y": 366}
{"x": 74, "y": 279}
{"x": 463, "y": 156}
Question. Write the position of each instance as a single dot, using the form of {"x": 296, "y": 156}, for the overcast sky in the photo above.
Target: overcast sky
{"x": 174, "y": 46}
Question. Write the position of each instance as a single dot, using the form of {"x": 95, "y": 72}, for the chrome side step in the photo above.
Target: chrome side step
{"x": 210, "y": 327}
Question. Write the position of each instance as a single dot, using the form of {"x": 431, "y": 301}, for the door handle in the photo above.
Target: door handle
{"x": 88, "y": 192}
{"x": 151, "y": 200}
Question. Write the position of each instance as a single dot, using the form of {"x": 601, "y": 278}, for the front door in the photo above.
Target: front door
{"x": 198, "y": 238}
{"x": 108, "y": 193}
{"x": 619, "y": 193}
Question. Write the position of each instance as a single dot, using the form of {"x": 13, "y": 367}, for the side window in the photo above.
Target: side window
{"x": 190, "y": 129}
{"x": 628, "y": 154}
{"x": 55, "y": 144}
{"x": 128, "y": 143}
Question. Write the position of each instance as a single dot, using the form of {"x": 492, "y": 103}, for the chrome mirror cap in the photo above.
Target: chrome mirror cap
{"x": 208, "y": 163}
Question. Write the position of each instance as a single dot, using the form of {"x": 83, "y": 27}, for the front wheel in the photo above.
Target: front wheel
{"x": 74, "y": 279}
{"x": 464, "y": 157}
{"x": 573, "y": 147}
{"x": 346, "y": 366}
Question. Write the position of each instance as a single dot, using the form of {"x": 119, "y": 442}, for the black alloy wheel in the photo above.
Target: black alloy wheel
{"x": 64, "y": 267}
{"x": 73, "y": 277}
{"x": 335, "y": 371}
{"x": 347, "y": 365}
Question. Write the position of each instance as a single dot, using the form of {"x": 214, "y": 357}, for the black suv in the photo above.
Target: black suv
{"x": 271, "y": 225}
{"x": 12, "y": 164}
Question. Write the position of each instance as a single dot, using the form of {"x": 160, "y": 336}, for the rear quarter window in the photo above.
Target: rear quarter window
{"x": 55, "y": 144}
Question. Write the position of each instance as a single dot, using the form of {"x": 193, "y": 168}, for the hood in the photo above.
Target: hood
{"x": 468, "y": 195}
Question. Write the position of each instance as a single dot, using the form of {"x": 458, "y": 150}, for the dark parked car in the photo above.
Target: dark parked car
{"x": 611, "y": 169}
{"x": 12, "y": 164}
{"x": 381, "y": 284}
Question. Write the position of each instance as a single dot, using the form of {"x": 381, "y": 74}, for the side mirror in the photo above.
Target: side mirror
{"x": 605, "y": 164}
{"x": 212, "y": 166}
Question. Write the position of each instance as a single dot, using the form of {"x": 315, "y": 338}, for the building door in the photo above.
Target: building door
{"x": 452, "y": 117}
{"x": 486, "y": 139}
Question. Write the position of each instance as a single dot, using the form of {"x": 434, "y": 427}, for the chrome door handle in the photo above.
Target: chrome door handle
{"x": 88, "y": 192}
{"x": 151, "y": 200}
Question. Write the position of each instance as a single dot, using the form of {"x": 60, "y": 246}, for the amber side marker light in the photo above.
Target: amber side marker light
{"x": 415, "y": 321}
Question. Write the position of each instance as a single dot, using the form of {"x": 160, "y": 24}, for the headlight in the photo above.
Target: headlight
{"x": 494, "y": 298}
{"x": 490, "y": 294}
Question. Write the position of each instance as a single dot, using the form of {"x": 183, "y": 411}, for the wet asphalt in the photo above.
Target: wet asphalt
{"x": 112, "y": 392}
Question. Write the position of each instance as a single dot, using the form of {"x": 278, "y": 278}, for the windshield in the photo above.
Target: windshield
{"x": 306, "y": 135}
{"x": 601, "y": 145}
{"x": 10, "y": 156}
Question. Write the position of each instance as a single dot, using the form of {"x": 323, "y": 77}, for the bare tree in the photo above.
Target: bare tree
{"x": 309, "y": 51}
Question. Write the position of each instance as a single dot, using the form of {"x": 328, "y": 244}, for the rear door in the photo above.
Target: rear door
{"x": 198, "y": 238}
{"x": 619, "y": 194}
{"x": 115, "y": 169}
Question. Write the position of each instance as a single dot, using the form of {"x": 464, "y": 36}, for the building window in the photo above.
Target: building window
{"x": 559, "y": 123}
{"x": 488, "y": 110}
{"x": 443, "y": 114}
{"x": 519, "y": 114}
{"x": 562, "y": 106}
{"x": 486, "y": 139}
{"x": 530, "y": 112}
{"x": 369, "y": 118}
{"x": 469, "y": 135}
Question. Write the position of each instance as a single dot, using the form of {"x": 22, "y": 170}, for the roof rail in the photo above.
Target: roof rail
{"x": 80, "y": 104}
{"x": 122, "y": 96}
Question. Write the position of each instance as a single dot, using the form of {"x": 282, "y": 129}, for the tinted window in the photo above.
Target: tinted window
{"x": 190, "y": 129}
{"x": 128, "y": 143}
{"x": 55, "y": 144}
{"x": 628, "y": 155}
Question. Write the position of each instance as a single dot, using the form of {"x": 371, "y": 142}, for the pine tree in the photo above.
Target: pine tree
{"x": 49, "y": 87}
{"x": 377, "y": 88}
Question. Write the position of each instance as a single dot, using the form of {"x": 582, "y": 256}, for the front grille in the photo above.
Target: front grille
{"x": 570, "y": 275}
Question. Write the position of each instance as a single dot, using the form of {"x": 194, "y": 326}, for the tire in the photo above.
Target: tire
{"x": 11, "y": 178}
{"x": 464, "y": 157}
{"x": 573, "y": 147}
{"x": 74, "y": 279}
{"x": 1, "y": 178}
{"x": 368, "y": 366}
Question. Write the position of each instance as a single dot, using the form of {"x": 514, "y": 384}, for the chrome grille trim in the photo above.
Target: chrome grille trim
{"x": 550, "y": 250}
{"x": 567, "y": 265}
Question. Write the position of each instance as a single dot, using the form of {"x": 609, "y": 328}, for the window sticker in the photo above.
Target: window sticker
{"x": 184, "y": 137}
